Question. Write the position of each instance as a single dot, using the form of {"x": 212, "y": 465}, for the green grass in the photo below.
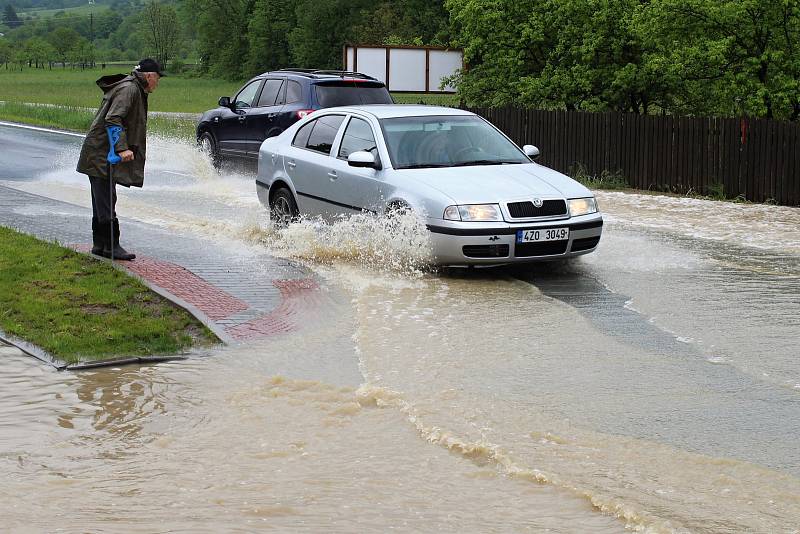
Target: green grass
{"x": 605, "y": 180}
{"x": 81, "y": 309}
{"x": 450, "y": 100}
{"x": 66, "y": 118}
{"x": 71, "y": 12}
{"x": 76, "y": 88}
{"x": 79, "y": 119}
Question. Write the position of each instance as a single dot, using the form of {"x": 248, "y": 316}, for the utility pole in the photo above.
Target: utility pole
{"x": 91, "y": 34}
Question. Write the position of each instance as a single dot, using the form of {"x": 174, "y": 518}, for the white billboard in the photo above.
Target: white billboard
{"x": 405, "y": 68}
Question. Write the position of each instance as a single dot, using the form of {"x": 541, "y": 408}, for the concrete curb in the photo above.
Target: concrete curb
{"x": 29, "y": 349}
{"x": 33, "y": 351}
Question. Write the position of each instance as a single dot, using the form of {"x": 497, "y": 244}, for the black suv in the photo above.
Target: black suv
{"x": 271, "y": 102}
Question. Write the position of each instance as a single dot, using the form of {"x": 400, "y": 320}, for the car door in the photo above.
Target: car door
{"x": 262, "y": 118}
{"x": 361, "y": 189}
{"x": 308, "y": 164}
{"x": 232, "y": 129}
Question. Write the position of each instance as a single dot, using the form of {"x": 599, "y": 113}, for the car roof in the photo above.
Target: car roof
{"x": 391, "y": 111}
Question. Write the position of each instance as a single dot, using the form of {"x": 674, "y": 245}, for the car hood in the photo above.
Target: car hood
{"x": 498, "y": 183}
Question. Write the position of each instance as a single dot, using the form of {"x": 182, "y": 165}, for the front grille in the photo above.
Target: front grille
{"x": 526, "y": 210}
{"x": 585, "y": 244}
{"x": 545, "y": 248}
{"x": 485, "y": 251}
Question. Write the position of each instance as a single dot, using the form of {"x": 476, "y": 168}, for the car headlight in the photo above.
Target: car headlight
{"x": 582, "y": 206}
{"x": 473, "y": 212}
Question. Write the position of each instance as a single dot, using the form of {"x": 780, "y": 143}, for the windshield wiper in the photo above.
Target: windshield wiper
{"x": 484, "y": 162}
{"x": 424, "y": 166}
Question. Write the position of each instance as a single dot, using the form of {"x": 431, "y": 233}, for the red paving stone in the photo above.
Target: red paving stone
{"x": 186, "y": 285}
{"x": 299, "y": 297}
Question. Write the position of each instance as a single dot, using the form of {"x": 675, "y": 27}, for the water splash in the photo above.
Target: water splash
{"x": 398, "y": 243}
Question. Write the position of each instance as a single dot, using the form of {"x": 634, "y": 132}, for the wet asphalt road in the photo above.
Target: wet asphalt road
{"x": 653, "y": 308}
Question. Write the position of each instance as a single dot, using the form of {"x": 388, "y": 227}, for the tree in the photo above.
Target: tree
{"x": 409, "y": 22}
{"x": 63, "y": 41}
{"x": 5, "y": 52}
{"x": 731, "y": 56}
{"x": 10, "y": 17}
{"x": 322, "y": 30}
{"x": 161, "y": 28}
{"x": 221, "y": 26}
{"x": 267, "y": 36}
{"x": 594, "y": 60}
{"x": 39, "y": 52}
{"x": 504, "y": 41}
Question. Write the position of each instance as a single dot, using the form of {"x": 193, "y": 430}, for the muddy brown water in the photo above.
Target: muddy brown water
{"x": 652, "y": 385}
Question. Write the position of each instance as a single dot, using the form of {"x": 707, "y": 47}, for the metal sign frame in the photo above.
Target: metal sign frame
{"x": 354, "y": 48}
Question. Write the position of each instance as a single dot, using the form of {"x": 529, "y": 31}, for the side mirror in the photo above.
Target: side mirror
{"x": 225, "y": 101}
{"x": 362, "y": 158}
{"x": 531, "y": 151}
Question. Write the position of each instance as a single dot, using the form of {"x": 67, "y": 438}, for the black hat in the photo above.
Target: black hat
{"x": 149, "y": 65}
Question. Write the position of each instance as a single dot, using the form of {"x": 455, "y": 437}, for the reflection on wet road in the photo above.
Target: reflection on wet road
{"x": 653, "y": 384}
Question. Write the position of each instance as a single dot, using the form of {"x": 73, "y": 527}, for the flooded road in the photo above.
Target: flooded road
{"x": 652, "y": 385}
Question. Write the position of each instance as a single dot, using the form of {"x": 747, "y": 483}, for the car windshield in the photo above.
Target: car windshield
{"x": 347, "y": 93}
{"x": 447, "y": 141}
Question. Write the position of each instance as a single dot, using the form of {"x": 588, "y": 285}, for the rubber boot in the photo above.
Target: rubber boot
{"x": 119, "y": 252}
{"x": 99, "y": 240}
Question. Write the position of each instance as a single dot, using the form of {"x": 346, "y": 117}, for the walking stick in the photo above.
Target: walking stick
{"x": 112, "y": 159}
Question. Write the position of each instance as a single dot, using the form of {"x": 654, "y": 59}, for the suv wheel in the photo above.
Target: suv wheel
{"x": 209, "y": 146}
{"x": 282, "y": 208}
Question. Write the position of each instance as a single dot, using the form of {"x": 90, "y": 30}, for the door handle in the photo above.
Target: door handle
{"x": 272, "y": 115}
{"x": 333, "y": 175}
{"x": 291, "y": 164}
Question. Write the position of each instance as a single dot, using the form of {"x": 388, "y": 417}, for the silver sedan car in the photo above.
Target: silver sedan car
{"x": 484, "y": 200}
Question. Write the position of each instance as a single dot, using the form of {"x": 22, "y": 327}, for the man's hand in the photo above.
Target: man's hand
{"x": 126, "y": 155}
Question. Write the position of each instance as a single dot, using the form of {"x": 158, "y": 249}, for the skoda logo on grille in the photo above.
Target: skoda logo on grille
{"x": 537, "y": 202}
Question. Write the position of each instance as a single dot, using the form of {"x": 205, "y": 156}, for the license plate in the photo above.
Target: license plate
{"x": 547, "y": 234}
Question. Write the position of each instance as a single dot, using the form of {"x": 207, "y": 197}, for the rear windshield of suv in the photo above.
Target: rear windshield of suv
{"x": 347, "y": 93}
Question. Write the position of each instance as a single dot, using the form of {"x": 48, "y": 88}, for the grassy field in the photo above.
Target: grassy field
{"x": 76, "y": 88}
{"x": 81, "y": 309}
{"x": 449, "y": 100}
{"x": 70, "y": 12}
{"x": 79, "y": 119}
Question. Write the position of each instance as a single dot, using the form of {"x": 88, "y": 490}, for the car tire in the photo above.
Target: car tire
{"x": 283, "y": 208}
{"x": 209, "y": 146}
{"x": 397, "y": 208}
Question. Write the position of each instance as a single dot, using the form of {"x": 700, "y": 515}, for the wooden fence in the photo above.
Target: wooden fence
{"x": 756, "y": 159}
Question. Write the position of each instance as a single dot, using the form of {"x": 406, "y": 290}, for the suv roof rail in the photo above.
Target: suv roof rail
{"x": 326, "y": 72}
{"x": 343, "y": 73}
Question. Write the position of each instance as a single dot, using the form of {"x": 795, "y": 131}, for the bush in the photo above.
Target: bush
{"x": 176, "y": 66}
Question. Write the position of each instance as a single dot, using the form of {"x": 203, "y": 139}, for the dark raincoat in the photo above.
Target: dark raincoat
{"x": 124, "y": 104}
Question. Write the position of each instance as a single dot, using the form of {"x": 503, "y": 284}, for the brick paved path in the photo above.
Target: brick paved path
{"x": 240, "y": 296}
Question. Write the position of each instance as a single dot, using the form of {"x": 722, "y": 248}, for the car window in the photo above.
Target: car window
{"x": 269, "y": 94}
{"x": 331, "y": 94}
{"x": 447, "y": 141}
{"x": 324, "y": 132}
{"x": 357, "y": 136}
{"x": 301, "y": 137}
{"x": 294, "y": 92}
{"x": 246, "y": 96}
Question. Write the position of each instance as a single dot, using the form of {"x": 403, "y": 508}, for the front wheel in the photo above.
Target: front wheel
{"x": 282, "y": 208}
{"x": 209, "y": 146}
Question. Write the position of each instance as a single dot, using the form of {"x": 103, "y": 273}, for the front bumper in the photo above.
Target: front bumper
{"x": 458, "y": 243}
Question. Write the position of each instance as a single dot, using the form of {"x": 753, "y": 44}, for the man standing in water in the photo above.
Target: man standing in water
{"x": 125, "y": 106}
